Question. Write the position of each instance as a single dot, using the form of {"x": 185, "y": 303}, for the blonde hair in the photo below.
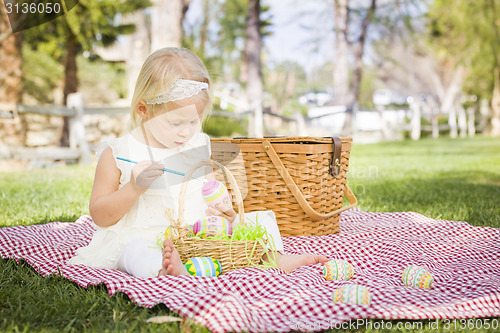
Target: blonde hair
{"x": 160, "y": 70}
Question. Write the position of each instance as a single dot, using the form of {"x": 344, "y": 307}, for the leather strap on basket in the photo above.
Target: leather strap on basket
{"x": 314, "y": 215}
{"x": 336, "y": 156}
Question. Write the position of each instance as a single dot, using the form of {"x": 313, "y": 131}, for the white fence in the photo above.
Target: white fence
{"x": 370, "y": 126}
{"x": 390, "y": 124}
{"x": 78, "y": 150}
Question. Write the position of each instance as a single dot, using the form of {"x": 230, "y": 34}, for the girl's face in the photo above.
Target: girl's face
{"x": 174, "y": 128}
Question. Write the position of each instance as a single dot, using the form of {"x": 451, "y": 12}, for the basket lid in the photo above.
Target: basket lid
{"x": 298, "y": 144}
{"x": 286, "y": 139}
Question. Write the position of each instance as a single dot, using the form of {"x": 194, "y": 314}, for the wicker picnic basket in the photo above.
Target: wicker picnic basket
{"x": 231, "y": 254}
{"x": 301, "y": 179}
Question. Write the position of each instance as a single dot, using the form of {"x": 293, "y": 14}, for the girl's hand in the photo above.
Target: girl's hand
{"x": 145, "y": 173}
{"x": 229, "y": 215}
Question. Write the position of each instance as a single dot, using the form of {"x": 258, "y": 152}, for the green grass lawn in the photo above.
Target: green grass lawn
{"x": 443, "y": 179}
{"x": 447, "y": 179}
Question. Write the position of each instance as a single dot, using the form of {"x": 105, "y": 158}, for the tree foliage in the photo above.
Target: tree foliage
{"x": 218, "y": 36}
{"x": 89, "y": 24}
{"x": 92, "y": 22}
{"x": 42, "y": 74}
{"x": 467, "y": 33}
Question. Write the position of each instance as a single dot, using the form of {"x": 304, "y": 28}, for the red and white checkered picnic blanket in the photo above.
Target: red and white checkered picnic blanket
{"x": 464, "y": 260}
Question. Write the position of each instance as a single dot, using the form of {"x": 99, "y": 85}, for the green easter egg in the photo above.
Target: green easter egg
{"x": 203, "y": 266}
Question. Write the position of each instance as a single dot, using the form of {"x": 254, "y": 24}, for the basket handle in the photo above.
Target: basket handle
{"x": 231, "y": 180}
{"x": 316, "y": 216}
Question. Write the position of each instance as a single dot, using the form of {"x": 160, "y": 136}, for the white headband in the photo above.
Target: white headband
{"x": 179, "y": 90}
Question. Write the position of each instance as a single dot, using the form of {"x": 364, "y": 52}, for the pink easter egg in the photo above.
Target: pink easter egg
{"x": 215, "y": 194}
{"x": 212, "y": 188}
{"x": 212, "y": 226}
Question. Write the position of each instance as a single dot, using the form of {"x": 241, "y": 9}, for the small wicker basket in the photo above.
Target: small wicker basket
{"x": 231, "y": 254}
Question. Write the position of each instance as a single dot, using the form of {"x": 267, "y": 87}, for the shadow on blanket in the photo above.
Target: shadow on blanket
{"x": 464, "y": 260}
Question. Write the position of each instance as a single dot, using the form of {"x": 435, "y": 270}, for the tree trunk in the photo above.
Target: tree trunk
{"x": 137, "y": 46}
{"x": 448, "y": 103}
{"x": 11, "y": 83}
{"x": 254, "y": 85}
{"x": 435, "y": 124}
{"x": 495, "y": 104}
{"x": 204, "y": 26}
{"x": 10, "y": 63}
{"x": 70, "y": 81}
{"x": 289, "y": 84}
{"x": 453, "y": 91}
{"x": 360, "y": 50}
{"x": 386, "y": 134}
{"x": 452, "y": 121}
{"x": 462, "y": 120}
{"x": 341, "y": 66}
{"x": 358, "y": 69}
{"x": 495, "y": 100}
{"x": 433, "y": 109}
{"x": 471, "y": 121}
{"x": 484, "y": 115}
{"x": 166, "y": 23}
{"x": 416, "y": 125}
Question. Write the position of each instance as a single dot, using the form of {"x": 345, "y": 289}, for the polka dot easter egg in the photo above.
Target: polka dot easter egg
{"x": 203, "y": 266}
{"x": 212, "y": 226}
{"x": 337, "y": 269}
{"x": 352, "y": 294}
{"x": 416, "y": 276}
{"x": 216, "y": 195}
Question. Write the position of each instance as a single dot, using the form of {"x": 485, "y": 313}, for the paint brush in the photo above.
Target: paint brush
{"x": 164, "y": 169}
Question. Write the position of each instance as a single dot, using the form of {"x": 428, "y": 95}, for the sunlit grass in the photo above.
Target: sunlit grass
{"x": 444, "y": 179}
{"x": 44, "y": 195}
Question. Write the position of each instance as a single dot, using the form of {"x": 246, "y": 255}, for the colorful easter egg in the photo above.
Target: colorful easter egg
{"x": 212, "y": 226}
{"x": 416, "y": 276}
{"x": 337, "y": 269}
{"x": 171, "y": 233}
{"x": 203, "y": 266}
{"x": 352, "y": 294}
{"x": 216, "y": 195}
{"x": 189, "y": 231}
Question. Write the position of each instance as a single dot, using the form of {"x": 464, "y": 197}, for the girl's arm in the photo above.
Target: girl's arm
{"x": 108, "y": 203}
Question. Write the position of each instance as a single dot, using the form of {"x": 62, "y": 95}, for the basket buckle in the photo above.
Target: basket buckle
{"x": 336, "y": 155}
